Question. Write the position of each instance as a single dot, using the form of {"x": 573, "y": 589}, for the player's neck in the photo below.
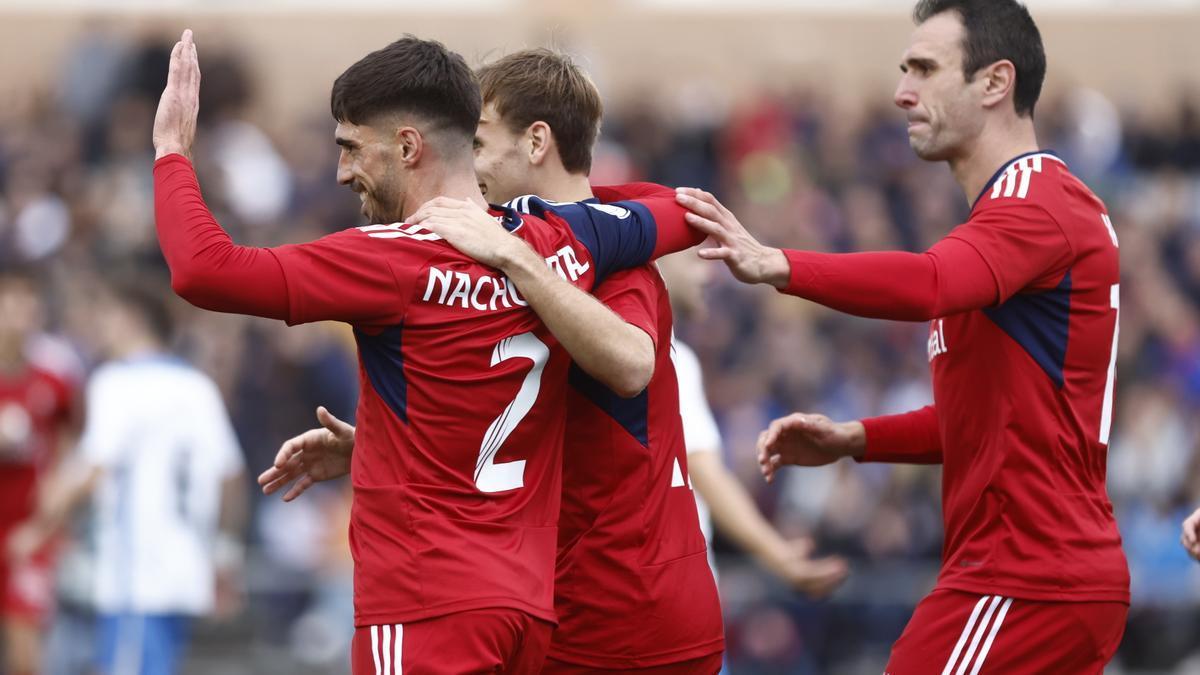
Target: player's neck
{"x": 995, "y": 148}
{"x": 561, "y": 186}
{"x": 456, "y": 183}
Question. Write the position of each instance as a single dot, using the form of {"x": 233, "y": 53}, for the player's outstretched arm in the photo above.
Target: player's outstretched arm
{"x": 1191, "y": 534}
{"x": 749, "y": 260}
{"x": 314, "y": 456}
{"x": 951, "y": 277}
{"x": 735, "y": 514}
{"x": 605, "y": 346}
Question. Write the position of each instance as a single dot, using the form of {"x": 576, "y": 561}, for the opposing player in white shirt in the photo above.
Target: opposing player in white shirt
{"x": 159, "y": 457}
{"x": 717, "y": 490}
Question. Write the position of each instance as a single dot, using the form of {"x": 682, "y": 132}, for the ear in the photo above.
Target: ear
{"x": 999, "y": 82}
{"x": 541, "y": 142}
{"x": 411, "y": 145}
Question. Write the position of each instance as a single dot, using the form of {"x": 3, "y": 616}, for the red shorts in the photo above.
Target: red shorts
{"x": 494, "y": 640}
{"x": 957, "y": 633}
{"x": 705, "y": 665}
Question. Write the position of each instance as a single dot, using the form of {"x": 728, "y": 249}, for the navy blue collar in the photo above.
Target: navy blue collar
{"x": 1004, "y": 167}
{"x": 509, "y": 218}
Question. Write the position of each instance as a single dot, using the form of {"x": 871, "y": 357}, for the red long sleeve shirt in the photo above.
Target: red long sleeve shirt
{"x": 1023, "y": 299}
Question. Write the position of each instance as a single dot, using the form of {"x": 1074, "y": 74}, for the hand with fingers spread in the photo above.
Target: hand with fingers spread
{"x": 1191, "y": 534}
{"x": 808, "y": 440}
{"x": 175, "y": 121}
{"x": 815, "y": 577}
{"x": 314, "y": 456}
{"x": 468, "y": 227}
{"x": 749, "y": 260}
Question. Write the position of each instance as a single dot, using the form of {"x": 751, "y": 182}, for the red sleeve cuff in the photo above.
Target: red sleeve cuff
{"x": 909, "y": 438}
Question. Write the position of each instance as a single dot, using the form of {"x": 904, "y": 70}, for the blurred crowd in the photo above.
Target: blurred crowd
{"x": 76, "y": 201}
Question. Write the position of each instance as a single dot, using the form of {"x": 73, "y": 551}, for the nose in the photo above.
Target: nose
{"x": 344, "y": 174}
{"x": 905, "y": 96}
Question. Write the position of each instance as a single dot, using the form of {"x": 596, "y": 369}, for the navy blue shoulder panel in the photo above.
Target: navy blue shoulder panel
{"x": 619, "y": 236}
{"x": 631, "y": 413}
{"x": 1039, "y": 322}
{"x": 384, "y": 364}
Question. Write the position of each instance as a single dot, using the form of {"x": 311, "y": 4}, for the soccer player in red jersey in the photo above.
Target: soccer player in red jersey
{"x": 633, "y": 589}
{"x": 37, "y": 419}
{"x": 457, "y": 475}
{"x": 1023, "y": 300}
{"x": 628, "y": 524}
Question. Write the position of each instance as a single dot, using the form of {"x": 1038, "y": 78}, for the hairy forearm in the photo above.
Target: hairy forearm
{"x": 604, "y": 345}
{"x": 733, "y": 511}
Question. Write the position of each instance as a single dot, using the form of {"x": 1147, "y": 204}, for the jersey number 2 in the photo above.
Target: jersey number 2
{"x": 490, "y": 476}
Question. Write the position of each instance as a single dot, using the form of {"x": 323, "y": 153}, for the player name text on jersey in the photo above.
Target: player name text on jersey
{"x": 459, "y": 288}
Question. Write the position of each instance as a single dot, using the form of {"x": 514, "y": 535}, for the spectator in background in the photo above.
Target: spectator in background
{"x": 159, "y": 456}
{"x": 36, "y": 421}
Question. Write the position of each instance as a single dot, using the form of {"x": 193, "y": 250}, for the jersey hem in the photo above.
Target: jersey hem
{"x": 364, "y": 619}
{"x": 1038, "y": 594}
{"x": 607, "y": 660}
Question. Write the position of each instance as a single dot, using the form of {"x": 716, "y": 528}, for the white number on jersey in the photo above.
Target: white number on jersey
{"x": 1106, "y": 410}
{"x": 490, "y": 476}
{"x": 1115, "y": 303}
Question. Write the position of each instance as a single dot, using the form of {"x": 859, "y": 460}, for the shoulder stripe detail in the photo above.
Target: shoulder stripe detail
{"x": 520, "y": 204}
{"x": 397, "y": 230}
{"x": 1014, "y": 180}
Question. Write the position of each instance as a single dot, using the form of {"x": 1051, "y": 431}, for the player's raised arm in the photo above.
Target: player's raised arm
{"x": 345, "y": 276}
{"x": 207, "y": 269}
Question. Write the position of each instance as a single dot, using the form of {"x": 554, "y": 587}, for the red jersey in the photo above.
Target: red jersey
{"x": 1023, "y": 393}
{"x": 629, "y": 539}
{"x": 457, "y": 462}
{"x": 35, "y": 407}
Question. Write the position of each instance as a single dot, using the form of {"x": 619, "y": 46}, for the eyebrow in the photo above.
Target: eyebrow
{"x": 345, "y": 143}
{"x": 919, "y": 63}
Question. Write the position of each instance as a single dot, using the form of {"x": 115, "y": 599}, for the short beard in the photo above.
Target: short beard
{"x": 386, "y": 212}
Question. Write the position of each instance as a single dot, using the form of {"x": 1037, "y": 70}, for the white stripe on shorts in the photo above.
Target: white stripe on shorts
{"x": 387, "y": 650}
{"x": 375, "y": 649}
{"x": 987, "y": 646}
{"x": 979, "y": 631}
{"x": 962, "y": 639}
